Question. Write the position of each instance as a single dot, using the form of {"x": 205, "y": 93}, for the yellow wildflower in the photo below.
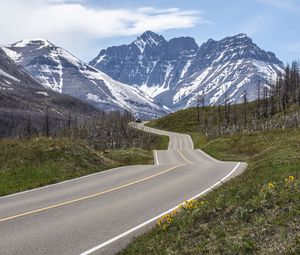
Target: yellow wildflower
{"x": 291, "y": 178}
{"x": 271, "y": 185}
{"x": 174, "y": 213}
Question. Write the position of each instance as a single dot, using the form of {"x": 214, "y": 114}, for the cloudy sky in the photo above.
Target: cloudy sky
{"x": 84, "y": 27}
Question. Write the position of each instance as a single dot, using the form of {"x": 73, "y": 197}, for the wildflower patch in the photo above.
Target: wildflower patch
{"x": 165, "y": 221}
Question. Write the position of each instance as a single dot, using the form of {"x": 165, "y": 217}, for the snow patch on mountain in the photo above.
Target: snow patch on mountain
{"x": 43, "y": 93}
{"x": 185, "y": 68}
{"x": 38, "y": 41}
{"x": 8, "y": 76}
{"x": 139, "y": 43}
{"x": 175, "y": 72}
{"x": 94, "y": 98}
{"x": 121, "y": 93}
{"x": 153, "y": 91}
{"x": 266, "y": 69}
{"x": 59, "y": 70}
{"x": 12, "y": 54}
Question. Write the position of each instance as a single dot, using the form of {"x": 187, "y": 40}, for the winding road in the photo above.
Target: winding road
{"x": 101, "y": 213}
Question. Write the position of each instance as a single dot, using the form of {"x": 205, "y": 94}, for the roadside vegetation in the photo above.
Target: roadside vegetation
{"x": 257, "y": 212}
{"x": 39, "y": 161}
{"x": 103, "y": 143}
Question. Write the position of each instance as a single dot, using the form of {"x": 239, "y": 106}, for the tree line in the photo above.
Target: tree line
{"x": 277, "y": 106}
{"x": 105, "y": 131}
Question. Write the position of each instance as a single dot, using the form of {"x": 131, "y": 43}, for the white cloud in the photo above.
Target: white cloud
{"x": 70, "y": 22}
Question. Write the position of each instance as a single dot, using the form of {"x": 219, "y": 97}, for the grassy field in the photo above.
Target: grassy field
{"x": 180, "y": 121}
{"x": 216, "y": 121}
{"x": 134, "y": 156}
{"x": 255, "y": 213}
{"x": 31, "y": 163}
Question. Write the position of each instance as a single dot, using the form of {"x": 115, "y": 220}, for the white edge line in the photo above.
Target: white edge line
{"x": 184, "y": 157}
{"x": 156, "y": 157}
{"x": 191, "y": 141}
{"x": 169, "y": 143}
{"x": 158, "y": 216}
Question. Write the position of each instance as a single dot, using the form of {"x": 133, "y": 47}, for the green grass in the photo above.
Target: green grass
{"x": 217, "y": 121}
{"x": 198, "y": 139}
{"x": 162, "y": 143}
{"x": 245, "y": 215}
{"x": 31, "y": 163}
{"x": 181, "y": 121}
{"x": 36, "y": 162}
{"x": 131, "y": 156}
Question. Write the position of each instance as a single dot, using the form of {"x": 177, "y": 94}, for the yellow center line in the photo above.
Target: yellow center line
{"x": 190, "y": 162}
{"x": 88, "y": 197}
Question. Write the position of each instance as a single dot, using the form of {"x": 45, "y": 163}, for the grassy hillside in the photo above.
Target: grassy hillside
{"x": 255, "y": 213}
{"x": 35, "y": 162}
{"x": 217, "y": 121}
{"x": 181, "y": 121}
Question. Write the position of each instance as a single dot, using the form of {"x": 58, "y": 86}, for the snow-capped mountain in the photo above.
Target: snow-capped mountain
{"x": 23, "y": 100}
{"x": 12, "y": 75}
{"x": 62, "y": 72}
{"x": 177, "y": 71}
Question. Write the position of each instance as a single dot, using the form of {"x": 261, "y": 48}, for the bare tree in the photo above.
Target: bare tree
{"x": 245, "y": 101}
{"x": 198, "y": 107}
{"x": 47, "y": 124}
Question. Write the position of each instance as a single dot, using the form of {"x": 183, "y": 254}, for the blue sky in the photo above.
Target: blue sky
{"x": 84, "y": 27}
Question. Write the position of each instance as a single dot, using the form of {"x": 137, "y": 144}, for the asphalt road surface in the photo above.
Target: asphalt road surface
{"x": 101, "y": 213}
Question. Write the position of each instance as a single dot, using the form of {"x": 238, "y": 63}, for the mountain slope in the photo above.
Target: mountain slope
{"x": 23, "y": 99}
{"x": 175, "y": 72}
{"x": 59, "y": 70}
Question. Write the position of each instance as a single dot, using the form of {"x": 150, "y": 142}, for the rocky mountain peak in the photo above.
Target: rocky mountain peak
{"x": 241, "y": 35}
{"x": 174, "y": 71}
{"x": 35, "y": 43}
{"x": 236, "y": 47}
{"x": 60, "y": 71}
{"x": 151, "y": 37}
{"x": 237, "y": 40}
{"x": 181, "y": 44}
{"x": 149, "y": 40}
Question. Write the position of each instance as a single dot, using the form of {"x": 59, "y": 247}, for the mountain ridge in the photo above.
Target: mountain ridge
{"x": 25, "y": 103}
{"x": 61, "y": 71}
{"x": 175, "y": 72}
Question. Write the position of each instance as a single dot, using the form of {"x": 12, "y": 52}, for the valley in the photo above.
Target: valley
{"x": 166, "y": 127}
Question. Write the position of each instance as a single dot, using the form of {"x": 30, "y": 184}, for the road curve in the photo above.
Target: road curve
{"x": 101, "y": 213}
